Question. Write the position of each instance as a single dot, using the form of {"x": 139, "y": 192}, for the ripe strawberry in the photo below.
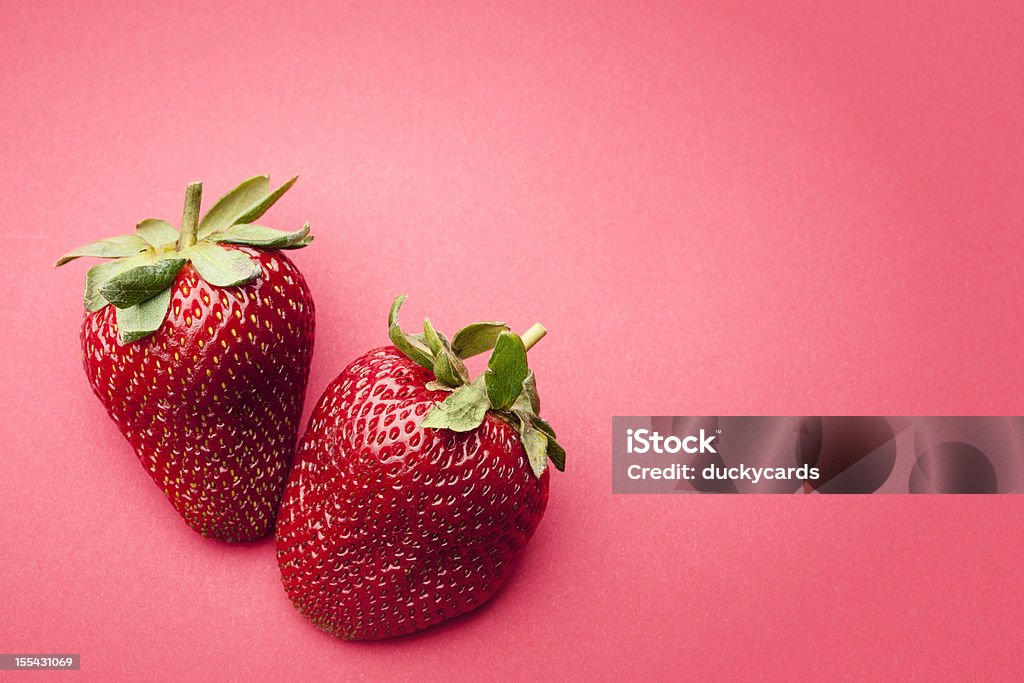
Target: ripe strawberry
{"x": 203, "y": 356}
{"x": 413, "y": 490}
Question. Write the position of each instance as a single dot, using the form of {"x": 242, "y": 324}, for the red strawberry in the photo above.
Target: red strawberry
{"x": 203, "y": 357}
{"x": 414, "y": 491}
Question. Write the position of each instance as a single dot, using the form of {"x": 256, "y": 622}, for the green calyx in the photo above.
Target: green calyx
{"x": 507, "y": 387}
{"x": 143, "y": 266}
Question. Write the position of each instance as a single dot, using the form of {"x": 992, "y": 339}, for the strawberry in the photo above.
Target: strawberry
{"x": 198, "y": 344}
{"x": 414, "y": 490}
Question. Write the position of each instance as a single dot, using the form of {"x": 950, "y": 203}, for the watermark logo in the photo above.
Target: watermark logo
{"x": 646, "y": 441}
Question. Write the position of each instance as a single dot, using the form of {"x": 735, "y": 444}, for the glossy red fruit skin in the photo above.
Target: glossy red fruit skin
{"x": 385, "y": 527}
{"x": 211, "y": 401}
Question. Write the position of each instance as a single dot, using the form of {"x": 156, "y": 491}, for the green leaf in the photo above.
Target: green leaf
{"x": 411, "y": 345}
{"x": 111, "y": 247}
{"x": 448, "y": 368}
{"x": 102, "y": 273}
{"x": 463, "y": 411}
{"x": 144, "y": 318}
{"x": 222, "y": 267}
{"x": 299, "y": 244}
{"x": 263, "y": 205}
{"x": 474, "y": 339}
{"x": 530, "y": 391}
{"x": 506, "y": 370}
{"x": 522, "y": 408}
{"x": 142, "y": 282}
{"x": 541, "y": 424}
{"x": 432, "y": 338}
{"x": 244, "y": 204}
{"x": 556, "y": 453}
{"x": 157, "y": 232}
{"x": 254, "y": 235}
{"x": 531, "y": 425}
{"x": 535, "y": 443}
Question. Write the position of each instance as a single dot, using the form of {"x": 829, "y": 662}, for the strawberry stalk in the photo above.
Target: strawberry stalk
{"x": 190, "y": 216}
{"x": 533, "y": 335}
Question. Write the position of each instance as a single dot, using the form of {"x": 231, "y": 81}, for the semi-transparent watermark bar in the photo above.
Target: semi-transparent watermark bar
{"x": 818, "y": 454}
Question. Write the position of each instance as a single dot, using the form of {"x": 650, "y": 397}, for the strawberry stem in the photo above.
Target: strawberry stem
{"x": 190, "y": 217}
{"x": 533, "y": 335}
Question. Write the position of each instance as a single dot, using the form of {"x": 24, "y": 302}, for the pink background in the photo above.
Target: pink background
{"x": 736, "y": 208}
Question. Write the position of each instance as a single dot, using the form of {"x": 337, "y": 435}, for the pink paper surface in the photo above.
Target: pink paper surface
{"x": 715, "y": 208}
